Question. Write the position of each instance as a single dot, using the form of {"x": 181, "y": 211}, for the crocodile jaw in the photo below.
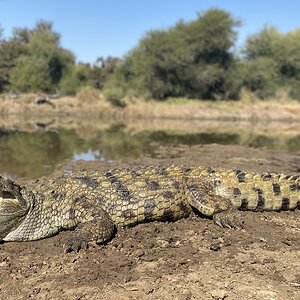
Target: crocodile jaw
{"x": 13, "y": 206}
{"x": 11, "y": 215}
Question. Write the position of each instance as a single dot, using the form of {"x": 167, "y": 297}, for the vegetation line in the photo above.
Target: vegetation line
{"x": 195, "y": 59}
{"x": 79, "y": 106}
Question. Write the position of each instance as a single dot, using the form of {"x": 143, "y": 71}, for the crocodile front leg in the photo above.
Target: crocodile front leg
{"x": 202, "y": 198}
{"x": 94, "y": 226}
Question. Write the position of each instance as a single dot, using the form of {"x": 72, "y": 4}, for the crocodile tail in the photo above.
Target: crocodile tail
{"x": 260, "y": 192}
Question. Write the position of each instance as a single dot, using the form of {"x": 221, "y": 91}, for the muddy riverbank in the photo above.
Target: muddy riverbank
{"x": 187, "y": 259}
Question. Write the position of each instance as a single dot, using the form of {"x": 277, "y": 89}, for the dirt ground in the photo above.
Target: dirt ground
{"x": 188, "y": 259}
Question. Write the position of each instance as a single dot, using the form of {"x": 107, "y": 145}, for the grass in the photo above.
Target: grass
{"x": 89, "y": 101}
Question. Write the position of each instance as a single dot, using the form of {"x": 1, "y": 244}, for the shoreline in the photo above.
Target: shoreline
{"x": 96, "y": 105}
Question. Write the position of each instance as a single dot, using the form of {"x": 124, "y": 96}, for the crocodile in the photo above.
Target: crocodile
{"x": 93, "y": 204}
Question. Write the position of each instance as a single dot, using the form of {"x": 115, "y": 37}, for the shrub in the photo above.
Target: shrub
{"x": 260, "y": 77}
{"x": 114, "y": 96}
{"x": 190, "y": 59}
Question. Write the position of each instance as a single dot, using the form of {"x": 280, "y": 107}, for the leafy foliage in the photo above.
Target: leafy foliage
{"x": 266, "y": 43}
{"x": 184, "y": 60}
{"x": 273, "y": 62}
{"x": 44, "y": 62}
{"x": 115, "y": 96}
{"x": 74, "y": 79}
{"x": 9, "y": 52}
{"x": 194, "y": 59}
{"x": 260, "y": 77}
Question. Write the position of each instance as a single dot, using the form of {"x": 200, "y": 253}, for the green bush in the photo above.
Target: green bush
{"x": 114, "y": 96}
{"x": 74, "y": 79}
{"x": 43, "y": 63}
{"x": 191, "y": 59}
{"x": 70, "y": 84}
{"x": 260, "y": 77}
{"x": 272, "y": 61}
{"x": 294, "y": 91}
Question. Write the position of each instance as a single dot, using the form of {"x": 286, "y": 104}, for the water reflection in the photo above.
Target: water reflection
{"x": 31, "y": 152}
{"x": 89, "y": 155}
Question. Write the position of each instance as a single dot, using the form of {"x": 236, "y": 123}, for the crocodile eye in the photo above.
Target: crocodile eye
{"x": 7, "y": 195}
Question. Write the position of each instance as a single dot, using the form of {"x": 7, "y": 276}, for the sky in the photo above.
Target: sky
{"x": 94, "y": 28}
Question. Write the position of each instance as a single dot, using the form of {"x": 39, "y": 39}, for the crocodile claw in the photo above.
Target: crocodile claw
{"x": 75, "y": 244}
{"x": 229, "y": 219}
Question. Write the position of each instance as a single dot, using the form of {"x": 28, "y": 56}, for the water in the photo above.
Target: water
{"x": 34, "y": 149}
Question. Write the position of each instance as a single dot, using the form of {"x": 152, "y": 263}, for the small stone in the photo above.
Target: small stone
{"x": 287, "y": 242}
{"x": 219, "y": 294}
{"x": 186, "y": 295}
{"x": 149, "y": 291}
{"x": 261, "y": 239}
{"x": 139, "y": 253}
{"x": 215, "y": 247}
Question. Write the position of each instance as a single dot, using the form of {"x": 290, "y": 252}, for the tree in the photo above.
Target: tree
{"x": 102, "y": 70}
{"x": 44, "y": 62}
{"x": 272, "y": 61}
{"x": 260, "y": 76}
{"x": 21, "y": 35}
{"x": 189, "y": 59}
{"x": 289, "y": 58}
{"x": 10, "y": 50}
{"x": 1, "y": 32}
{"x": 266, "y": 43}
{"x": 75, "y": 78}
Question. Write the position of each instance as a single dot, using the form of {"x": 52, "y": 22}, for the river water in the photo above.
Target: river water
{"x": 32, "y": 148}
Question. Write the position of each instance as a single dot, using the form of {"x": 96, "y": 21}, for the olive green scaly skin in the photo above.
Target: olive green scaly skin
{"x": 93, "y": 203}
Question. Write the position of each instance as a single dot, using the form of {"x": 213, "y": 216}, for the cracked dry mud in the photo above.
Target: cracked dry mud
{"x": 188, "y": 259}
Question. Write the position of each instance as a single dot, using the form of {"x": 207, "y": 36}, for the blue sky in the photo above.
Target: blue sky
{"x": 93, "y": 28}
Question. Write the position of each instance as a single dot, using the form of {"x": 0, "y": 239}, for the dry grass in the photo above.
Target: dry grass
{"x": 227, "y": 110}
{"x": 89, "y": 101}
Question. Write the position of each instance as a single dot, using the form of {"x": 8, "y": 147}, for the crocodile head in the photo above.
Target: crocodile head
{"x": 13, "y": 206}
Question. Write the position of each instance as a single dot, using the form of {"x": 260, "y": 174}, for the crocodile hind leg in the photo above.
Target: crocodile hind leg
{"x": 202, "y": 198}
{"x": 94, "y": 226}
